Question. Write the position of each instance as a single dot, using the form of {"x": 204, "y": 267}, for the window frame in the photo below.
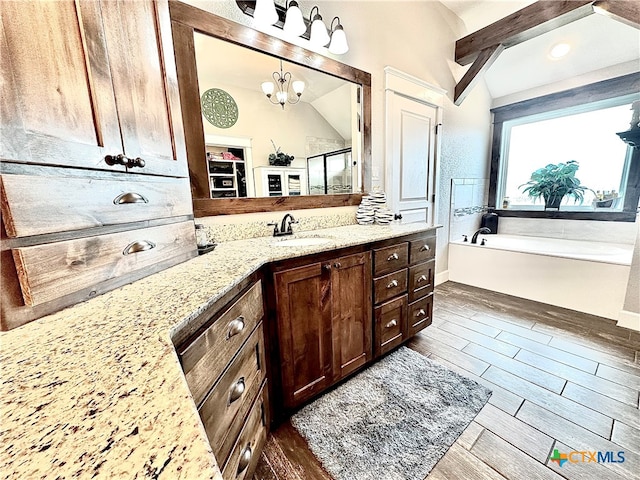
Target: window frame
{"x": 616, "y": 87}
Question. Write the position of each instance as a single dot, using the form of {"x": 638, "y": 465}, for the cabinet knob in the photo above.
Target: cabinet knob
{"x": 422, "y": 278}
{"x": 138, "y": 246}
{"x": 393, "y": 284}
{"x": 130, "y": 197}
{"x": 235, "y": 327}
{"x": 393, "y": 256}
{"x": 420, "y": 313}
{"x": 337, "y": 264}
{"x": 236, "y": 390}
{"x": 136, "y": 162}
{"x": 391, "y": 324}
{"x": 245, "y": 459}
{"x": 425, "y": 248}
{"x": 327, "y": 266}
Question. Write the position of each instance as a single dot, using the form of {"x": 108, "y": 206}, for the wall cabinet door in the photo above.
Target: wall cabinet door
{"x": 351, "y": 313}
{"x": 303, "y": 297}
{"x": 85, "y": 79}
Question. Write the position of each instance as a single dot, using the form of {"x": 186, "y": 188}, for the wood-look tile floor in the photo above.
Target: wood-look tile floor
{"x": 560, "y": 379}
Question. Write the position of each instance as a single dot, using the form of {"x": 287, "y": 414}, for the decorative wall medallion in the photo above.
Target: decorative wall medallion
{"x": 219, "y": 108}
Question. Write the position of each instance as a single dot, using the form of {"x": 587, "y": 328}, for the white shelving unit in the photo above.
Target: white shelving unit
{"x": 229, "y": 166}
{"x": 280, "y": 181}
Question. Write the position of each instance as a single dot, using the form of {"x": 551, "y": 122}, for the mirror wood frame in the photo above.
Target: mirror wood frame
{"x": 187, "y": 20}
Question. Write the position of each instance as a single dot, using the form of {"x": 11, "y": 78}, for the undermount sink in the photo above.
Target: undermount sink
{"x": 302, "y": 242}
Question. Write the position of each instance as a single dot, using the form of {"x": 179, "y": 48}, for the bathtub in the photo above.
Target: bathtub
{"x": 589, "y": 277}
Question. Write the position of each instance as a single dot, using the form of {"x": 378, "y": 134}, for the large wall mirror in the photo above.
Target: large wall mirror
{"x": 232, "y": 127}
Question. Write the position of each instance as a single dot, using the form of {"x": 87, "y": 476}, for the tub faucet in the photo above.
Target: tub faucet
{"x": 474, "y": 239}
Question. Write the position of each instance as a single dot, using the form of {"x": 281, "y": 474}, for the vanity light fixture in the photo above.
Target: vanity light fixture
{"x": 338, "y": 44}
{"x": 265, "y": 13}
{"x": 319, "y": 34}
{"x": 283, "y": 81}
{"x": 294, "y": 22}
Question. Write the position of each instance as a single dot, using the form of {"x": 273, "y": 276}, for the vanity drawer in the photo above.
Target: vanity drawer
{"x": 391, "y": 258}
{"x": 421, "y": 280}
{"x": 390, "y": 286}
{"x": 76, "y": 203}
{"x": 420, "y": 315}
{"x": 225, "y": 407}
{"x": 390, "y": 319}
{"x": 208, "y": 355}
{"x": 246, "y": 450}
{"x": 52, "y": 270}
{"x": 422, "y": 250}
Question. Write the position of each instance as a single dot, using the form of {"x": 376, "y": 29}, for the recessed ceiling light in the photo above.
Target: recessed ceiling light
{"x": 559, "y": 50}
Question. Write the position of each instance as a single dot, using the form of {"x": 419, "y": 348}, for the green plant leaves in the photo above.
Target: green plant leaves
{"x": 555, "y": 180}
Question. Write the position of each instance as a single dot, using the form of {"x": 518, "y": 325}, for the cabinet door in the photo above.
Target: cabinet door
{"x": 56, "y": 97}
{"x": 303, "y": 296}
{"x": 351, "y": 312}
{"x": 143, "y": 67}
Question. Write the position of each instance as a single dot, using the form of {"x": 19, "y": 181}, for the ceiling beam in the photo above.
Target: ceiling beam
{"x": 475, "y": 72}
{"x": 620, "y": 10}
{"x": 525, "y": 24}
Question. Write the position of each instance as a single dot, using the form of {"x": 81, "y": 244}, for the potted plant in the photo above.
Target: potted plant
{"x": 554, "y": 182}
{"x": 279, "y": 158}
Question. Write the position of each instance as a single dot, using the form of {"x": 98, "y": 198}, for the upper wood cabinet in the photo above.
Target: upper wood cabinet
{"x": 82, "y": 80}
{"x": 324, "y": 323}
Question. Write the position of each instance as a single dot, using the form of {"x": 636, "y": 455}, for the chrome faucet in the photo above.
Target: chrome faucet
{"x": 474, "y": 239}
{"x": 285, "y": 228}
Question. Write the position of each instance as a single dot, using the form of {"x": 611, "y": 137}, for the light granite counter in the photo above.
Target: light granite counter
{"x": 97, "y": 389}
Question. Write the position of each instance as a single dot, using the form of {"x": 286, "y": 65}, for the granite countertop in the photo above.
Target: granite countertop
{"x": 97, "y": 389}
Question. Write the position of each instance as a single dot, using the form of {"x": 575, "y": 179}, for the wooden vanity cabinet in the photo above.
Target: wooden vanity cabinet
{"x": 323, "y": 315}
{"x": 224, "y": 363}
{"x": 87, "y": 86}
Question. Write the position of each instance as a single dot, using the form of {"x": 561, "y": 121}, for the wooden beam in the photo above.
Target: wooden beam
{"x": 627, "y": 12}
{"x": 525, "y": 24}
{"x": 475, "y": 72}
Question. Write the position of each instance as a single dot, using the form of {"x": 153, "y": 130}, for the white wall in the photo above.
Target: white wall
{"x": 419, "y": 39}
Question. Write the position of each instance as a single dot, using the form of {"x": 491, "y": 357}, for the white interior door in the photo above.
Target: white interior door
{"x": 411, "y": 153}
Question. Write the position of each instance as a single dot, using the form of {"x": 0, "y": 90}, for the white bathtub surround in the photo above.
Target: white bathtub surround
{"x": 588, "y": 230}
{"x": 469, "y": 197}
{"x": 589, "y": 277}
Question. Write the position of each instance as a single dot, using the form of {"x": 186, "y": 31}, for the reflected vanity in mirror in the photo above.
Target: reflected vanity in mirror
{"x": 235, "y": 132}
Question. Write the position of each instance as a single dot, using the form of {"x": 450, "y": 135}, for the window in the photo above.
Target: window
{"x": 562, "y": 127}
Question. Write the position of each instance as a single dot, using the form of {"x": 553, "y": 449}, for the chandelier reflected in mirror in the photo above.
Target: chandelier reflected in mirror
{"x": 283, "y": 82}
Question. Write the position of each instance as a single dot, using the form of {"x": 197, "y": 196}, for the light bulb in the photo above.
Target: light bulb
{"x": 338, "y": 43}
{"x": 281, "y": 97}
{"x": 267, "y": 88}
{"x": 294, "y": 23}
{"x": 265, "y": 13}
{"x": 319, "y": 35}
{"x": 298, "y": 87}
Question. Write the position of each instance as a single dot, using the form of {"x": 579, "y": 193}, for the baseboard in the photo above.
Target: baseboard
{"x": 626, "y": 319}
{"x": 442, "y": 277}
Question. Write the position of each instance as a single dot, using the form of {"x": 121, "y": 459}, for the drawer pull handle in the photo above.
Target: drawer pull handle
{"x": 245, "y": 459}
{"x": 391, "y": 324}
{"x": 393, "y": 256}
{"x": 124, "y": 160}
{"x": 130, "y": 197}
{"x": 422, "y": 278}
{"x": 138, "y": 246}
{"x": 235, "y": 327}
{"x": 425, "y": 248}
{"x": 421, "y": 313}
{"x": 393, "y": 284}
{"x": 237, "y": 390}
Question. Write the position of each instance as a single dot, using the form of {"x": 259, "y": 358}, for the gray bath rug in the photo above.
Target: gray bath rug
{"x": 393, "y": 421}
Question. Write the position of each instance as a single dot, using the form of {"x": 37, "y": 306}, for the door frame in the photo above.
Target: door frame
{"x": 397, "y": 82}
